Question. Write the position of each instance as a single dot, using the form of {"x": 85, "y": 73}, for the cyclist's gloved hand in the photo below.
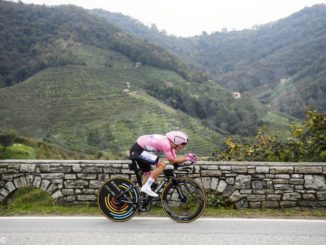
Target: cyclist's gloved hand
{"x": 190, "y": 157}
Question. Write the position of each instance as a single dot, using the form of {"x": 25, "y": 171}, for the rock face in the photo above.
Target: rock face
{"x": 246, "y": 184}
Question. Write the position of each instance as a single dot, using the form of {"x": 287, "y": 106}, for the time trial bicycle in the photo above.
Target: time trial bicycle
{"x": 182, "y": 198}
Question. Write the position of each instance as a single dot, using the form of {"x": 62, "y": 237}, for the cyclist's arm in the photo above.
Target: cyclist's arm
{"x": 178, "y": 160}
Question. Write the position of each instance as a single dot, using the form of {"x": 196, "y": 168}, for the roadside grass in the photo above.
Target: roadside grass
{"x": 34, "y": 201}
{"x": 18, "y": 151}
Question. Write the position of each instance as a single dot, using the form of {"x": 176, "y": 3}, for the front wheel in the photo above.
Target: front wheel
{"x": 118, "y": 199}
{"x": 183, "y": 202}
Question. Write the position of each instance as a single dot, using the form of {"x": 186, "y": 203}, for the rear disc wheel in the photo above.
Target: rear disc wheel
{"x": 118, "y": 199}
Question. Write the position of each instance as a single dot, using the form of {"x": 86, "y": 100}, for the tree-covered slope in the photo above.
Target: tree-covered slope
{"x": 67, "y": 70}
{"x": 259, "y": 60}
{"x": 28, "y": 34}
{"x": 81, "y": 107}
{"x": 39, "y": 37}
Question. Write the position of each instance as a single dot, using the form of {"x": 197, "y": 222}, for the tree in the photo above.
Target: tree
{"x": 308, "y": 143}
{"x": 7, "y": 139}
{"x": 311, "y": 136}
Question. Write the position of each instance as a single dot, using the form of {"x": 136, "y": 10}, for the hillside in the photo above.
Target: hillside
{"x": 73, "y": 98}
{"x": 259, "y": 60}
{"x": 43, "y": 37}
{"x": 27, "y": 148}
{"x": 28, "y": 35}
{"x": 81, "y": 107}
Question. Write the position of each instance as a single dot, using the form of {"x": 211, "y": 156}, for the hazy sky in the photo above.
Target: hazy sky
{"x": 192, "y": 17}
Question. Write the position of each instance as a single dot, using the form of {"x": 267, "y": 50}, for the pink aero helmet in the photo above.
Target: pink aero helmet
{"x": 177, "y": 137}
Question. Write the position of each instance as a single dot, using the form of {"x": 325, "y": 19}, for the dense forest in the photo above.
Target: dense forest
{"x": 28, "y": 41}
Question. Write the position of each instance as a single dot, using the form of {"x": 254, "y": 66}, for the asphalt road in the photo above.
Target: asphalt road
{"x": 156, "y": 231}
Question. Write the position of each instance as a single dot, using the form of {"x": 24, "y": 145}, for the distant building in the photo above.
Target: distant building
{"x": 236, "y": 95}
{"x": 284, "y": 80}
{"x": 126, "y": 92}
{"x": 138, "y": 64}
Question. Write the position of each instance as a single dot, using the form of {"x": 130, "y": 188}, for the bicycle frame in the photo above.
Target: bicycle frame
{"x": 119, "y": 198}
{"x": 168, "y": 174}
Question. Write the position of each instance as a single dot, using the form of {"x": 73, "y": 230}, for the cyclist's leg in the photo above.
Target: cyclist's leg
{"x": 160, "y": 166}
{"x": 143, "y": 164}
{"x": 146, "y": 175}
{"x": 146, "y": 169}
{"x": 147, "y": 160}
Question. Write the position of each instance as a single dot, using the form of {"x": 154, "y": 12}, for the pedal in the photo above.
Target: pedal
{"x": 154, "y": 186}
{"x": 145, "y": 204}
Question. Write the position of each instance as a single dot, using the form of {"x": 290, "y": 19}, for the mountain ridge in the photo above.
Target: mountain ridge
{"x": 74, "y": 99}
{"x": 247, "y": 59}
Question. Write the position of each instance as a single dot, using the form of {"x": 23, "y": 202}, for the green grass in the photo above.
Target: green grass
{"x": 30, "y": 197}
{"x": 85, "y": 210}
{"x": 34, "y": 201}
{"x": 28, "y": 148}
{"x": 18, "y": 151}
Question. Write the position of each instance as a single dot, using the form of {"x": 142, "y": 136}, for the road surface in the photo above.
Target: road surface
{"x": 156, "y": 231}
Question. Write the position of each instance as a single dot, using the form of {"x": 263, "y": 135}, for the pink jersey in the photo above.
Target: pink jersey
{"x": 157, "y": 143}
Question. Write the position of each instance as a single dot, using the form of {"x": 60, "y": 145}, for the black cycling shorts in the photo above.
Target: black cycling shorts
{"x": 144, "y": 158}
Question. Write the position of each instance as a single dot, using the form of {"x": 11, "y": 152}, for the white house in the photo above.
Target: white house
{"x": 236, "y": 95}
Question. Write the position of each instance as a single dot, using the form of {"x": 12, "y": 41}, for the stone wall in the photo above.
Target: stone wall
{"x": 246, "y": 184}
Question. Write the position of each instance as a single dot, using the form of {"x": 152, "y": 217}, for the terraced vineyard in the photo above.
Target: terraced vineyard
{"x": 81, "y": 107}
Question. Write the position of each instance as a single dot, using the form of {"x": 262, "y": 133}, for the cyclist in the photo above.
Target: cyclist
{"x": 142, "y": 152}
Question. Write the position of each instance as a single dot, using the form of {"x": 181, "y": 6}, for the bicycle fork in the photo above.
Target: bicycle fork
{"x": 182, "y": 197}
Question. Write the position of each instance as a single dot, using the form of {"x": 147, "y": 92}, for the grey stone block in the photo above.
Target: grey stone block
{"x": 316, "y": 182}
{"x": 86, "y": 197}
{"x": 4, "y": 192}
{"x": 239, "y": 169}
{"x": 308, "y": 196}
{"x": 37, "y": 181}
{"x": 296, "y": 181}
{"x": 259, "y": 184}
{"x": 75, "y": 184}
{"x": 57, "y": 194}
{"x": 87, "y": 176}
{"x": 76, "y": 168}
{"x": 272, "y": 197}
{"x": 321, "y": 195}
{"x": 214, "y": 184}
{"x": 95, "y": 183}
{"x": 291, "y": 196}
{"x": 308, "y": 170}
{"x": 235, "y": 196}
{"x": 281, "y": 170}
{"x": 221, "y": 186}
{"x": 242, "y": 182}
{"x": 27, "y": 168}
{"x": 45, "y": 184}
{"x": 262, "y": 170}
{"x": 70, "y": 176}
{"x": 255, "y": 198}
{"x": 10, "y": 186}
{"x": 206, "y": 181}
